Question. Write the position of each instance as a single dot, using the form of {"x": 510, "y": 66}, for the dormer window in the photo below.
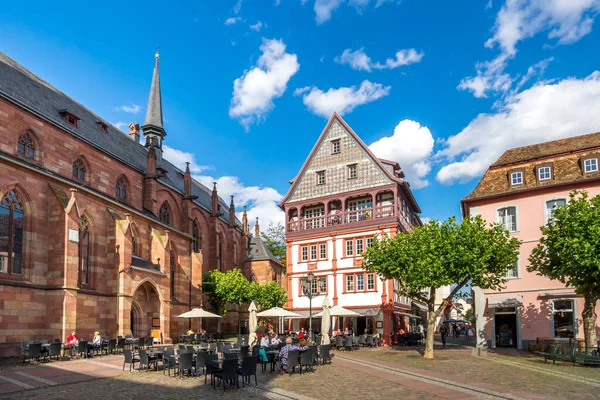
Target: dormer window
{"x": 516, "y": 178}
{"x": 336, "y": 146}
{"x": 71, "y": 119}
{"x": 162, "y": 172}
{"x": 590, "y": 165}
{"x": 544, "y": 173}
{"x": 102, "y": 126}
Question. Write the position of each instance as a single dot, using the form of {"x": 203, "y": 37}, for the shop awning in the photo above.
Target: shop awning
{"x": 559, "y": 294}
{"x": 509, "y": 300}
{"x": 406, "y": 314}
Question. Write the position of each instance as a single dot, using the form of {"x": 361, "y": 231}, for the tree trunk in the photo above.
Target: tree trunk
{"x": 431, "y": 316}
{"x": 589, "y": 320}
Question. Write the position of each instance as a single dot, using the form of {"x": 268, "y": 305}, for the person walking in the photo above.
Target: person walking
{"x": 444, "y": 333}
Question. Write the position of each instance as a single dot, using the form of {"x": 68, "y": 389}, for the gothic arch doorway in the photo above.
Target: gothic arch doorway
{"x": 144, "y": 307}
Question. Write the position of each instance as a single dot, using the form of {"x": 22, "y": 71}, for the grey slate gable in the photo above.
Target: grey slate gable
{"x": 20, "y": 86}
{"x": 258, "y": 251}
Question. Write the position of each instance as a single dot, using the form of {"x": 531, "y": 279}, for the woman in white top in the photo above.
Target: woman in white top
{"x": 264, "y": 341}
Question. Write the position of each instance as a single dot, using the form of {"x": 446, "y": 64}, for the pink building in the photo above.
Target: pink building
{"x": 520, "y": 191}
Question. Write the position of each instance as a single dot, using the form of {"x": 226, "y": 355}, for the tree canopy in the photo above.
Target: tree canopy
{"x": 274, "y": 238}
{"x": 569, "y": 251}
{"x": 440, "y": 254}
{"x": 268, "y": 295}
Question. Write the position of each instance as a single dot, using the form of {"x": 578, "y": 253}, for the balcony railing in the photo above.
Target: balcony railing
{"x": 342, "y": 218}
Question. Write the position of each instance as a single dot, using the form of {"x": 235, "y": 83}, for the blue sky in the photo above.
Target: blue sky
{"x": 441, "y": 87}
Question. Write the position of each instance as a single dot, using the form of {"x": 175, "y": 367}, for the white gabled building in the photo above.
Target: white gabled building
{"x": 342, "y": 197}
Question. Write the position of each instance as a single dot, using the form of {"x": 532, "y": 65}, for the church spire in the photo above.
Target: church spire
{"x": 153, "y": 124}
{"x": 245, "y": 226}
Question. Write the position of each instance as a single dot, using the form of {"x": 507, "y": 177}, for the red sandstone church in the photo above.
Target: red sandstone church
{"x": 97, "y": 230}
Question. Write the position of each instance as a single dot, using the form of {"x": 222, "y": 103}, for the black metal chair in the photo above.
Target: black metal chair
{"x": 324, "y": 353}
{"x": 32, "y": 352}
{"x": 227, "y": 374}
{"x": 362, "y": 340}
{"x": 82, "y": 348}
{"x": 248, "y": 369}
{"x": 348, "y": 343}
{"x": 54, "y": 351}
{"x": 244, "y": 349}
{"x": 293, "y": 361}
{"x": 339, "y": 342}
{"x": 186, "y": 363}
{"x": 306, "y": 360}
{"x": 369, "y": 341}
{"x": 313, "y": 349}
{"x": 145, "y": 361}
{"x": 200, "y": 361}
{"x": 120, "y": 345}
{"x": 230, "y": 356}
{"x": 211, "y": 366}
{"x": 129, "y": 359}
{"x": 141, "y": 343}
{"x": 169, "y": 361}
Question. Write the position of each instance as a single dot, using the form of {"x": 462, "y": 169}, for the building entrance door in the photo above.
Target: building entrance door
{"x": 506, "y": 330}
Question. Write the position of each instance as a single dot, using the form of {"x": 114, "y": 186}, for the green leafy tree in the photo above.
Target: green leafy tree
{"x": 443, "y": 253}
{"x": 469, "y": 317}
{"x": 270, "y": 295}
{"x": 226, "y": 287}
{"x": 274, "y": 238}
{"x": 569, "y": 251}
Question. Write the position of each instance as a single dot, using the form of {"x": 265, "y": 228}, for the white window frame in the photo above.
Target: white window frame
{"x": 369, "y": 242}
{"x": 313, "y": 247}
{"x": 575, "y": 316}
{"x": 499, "y": 219}
{"x": 313, "y": 213}
{"x": 350, "y": 279}
{"x": 512, "y": 178}
{"x": 362, "y": 246}
{"x": 595, "y": 164}
{"x": 320, "y": 174}
{"x": 360, "y": 280}
{"x": 349, "y": 247}
{"x": 352, "y": 171}
{"x": 304, "y": 253}
{"x": 323, "y": 251}
{"x": 371, "y": 281}
{"x": 544, "y": 169}
{"x": 339, "y": 146}
{"x": 516, "y": 270}
{"x": 546, "y": 214}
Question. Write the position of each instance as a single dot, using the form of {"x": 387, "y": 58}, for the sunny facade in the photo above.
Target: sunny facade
{"x": 520, "y": 191}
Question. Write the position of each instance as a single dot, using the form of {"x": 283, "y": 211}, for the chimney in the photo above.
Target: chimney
{"x": 257, "y": 229}
{"x": 134, "y": 132}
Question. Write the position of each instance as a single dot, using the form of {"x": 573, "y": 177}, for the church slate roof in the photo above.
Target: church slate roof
{"x": 258, "y": 251}
{"x": 25, "y": 89}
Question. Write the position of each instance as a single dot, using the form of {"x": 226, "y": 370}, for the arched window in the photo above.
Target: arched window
{"x": 134, "y": 245}
{"x": 172, "y": 265}
{"x": 164, "y": 214}
{"x": 84, "y": 252}
{"x": 79, "y": 170}
{"x": 25, "y": 147}
{"x": 219, "y": 252}
{"x": 121, "y": 189}
{"x": 11, "y": 234}
{"x": 196, "y": 237}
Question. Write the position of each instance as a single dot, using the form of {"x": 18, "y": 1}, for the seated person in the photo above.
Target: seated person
{"x": 264, "y": 341}
{"x": 301, "y": 345}
{"x": 190, "y": 332}
{"x": 72, "y": 341}
{"x": 346, "y": 332}
{"x": 275, "y": 340}
{"x": 283, "y": 353}
{"x": 96, "y": 341}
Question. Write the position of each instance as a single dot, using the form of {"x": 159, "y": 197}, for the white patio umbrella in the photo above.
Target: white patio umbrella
{"x": 198, "y": 313}
{"x": 252, "y": 324}
{"x": 280, "y": 313}
{"x": 325, "y": 321}
{"x": 339, "y": 311}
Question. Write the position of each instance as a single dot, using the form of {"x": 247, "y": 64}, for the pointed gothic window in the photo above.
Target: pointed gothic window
{"x": 172, "y": 265}
{"x": 84, "y": 252}
{"x": 219, "y": 252}
{"x": 25, "y": 147}
{"x": 11, "y": 234}
{"x": 134, "y": 244}
{"x": 121, "y": 189}
{"x": 196, "y": 237}
{"x": 164, "y": 214}
{"x": 79, "y": 170}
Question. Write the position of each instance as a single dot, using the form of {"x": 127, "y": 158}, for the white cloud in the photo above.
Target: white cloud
{"x": 359, "y": 60}
{"x": 132, "y": 108}
{"x": 232, "y": 20}
{"x": 254, "y": 91}
{"x": 324, "y": 8}
{"x": 411, "y": 145}
{"x": 356, "y": 59}
{"x": 122, "y": 126}
{"x": 237, "y": 7}
{"x": 566, "y": 21}
{"x": 256, "y": 27}
{"x": 425, "y": 220}
{"x": 179, "y": 158}
{"x": 261, "y": 201}
{"x": 341, "y": 100}
{"x": 546, "y": 111}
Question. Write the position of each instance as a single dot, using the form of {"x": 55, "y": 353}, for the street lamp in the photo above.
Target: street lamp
{"x": 312, "y": 287}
